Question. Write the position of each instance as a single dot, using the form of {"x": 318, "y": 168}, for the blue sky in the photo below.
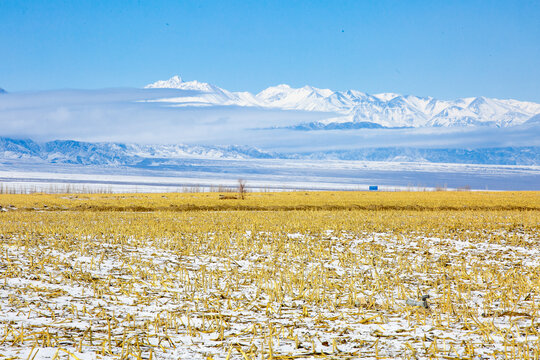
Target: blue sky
{"x": 446, "y": 49}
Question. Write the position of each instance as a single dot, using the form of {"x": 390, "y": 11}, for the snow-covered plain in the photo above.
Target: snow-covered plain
{"x": 104, "y": 300}
{"x": 264, "y": 175}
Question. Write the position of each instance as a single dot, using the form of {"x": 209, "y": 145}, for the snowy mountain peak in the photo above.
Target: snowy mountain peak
{"x": 176, "y": 78}
{"x": 386, "y": 96}
{"x": 273, "y": 90}
{"x": 280, "y": 86}
{"x": 173, "y": 83}
{"x": 176, "y": 82}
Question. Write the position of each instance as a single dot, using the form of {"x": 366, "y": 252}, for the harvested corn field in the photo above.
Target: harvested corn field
{"x": 275, "y": 276}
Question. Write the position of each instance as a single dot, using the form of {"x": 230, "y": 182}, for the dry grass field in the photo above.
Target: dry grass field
{"x": 293, "y": 275}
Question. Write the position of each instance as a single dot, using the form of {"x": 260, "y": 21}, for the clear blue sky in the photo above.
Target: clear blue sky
{"x": 446, "y": 49}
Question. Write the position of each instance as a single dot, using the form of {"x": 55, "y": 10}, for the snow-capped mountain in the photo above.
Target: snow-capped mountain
{"x": 179, "y": 156}
{"x": 108, "y": 153}
{"x": 205, "y": 94}
{"x": 351, "y": 106}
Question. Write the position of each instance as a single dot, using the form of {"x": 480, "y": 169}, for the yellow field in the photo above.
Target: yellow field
{"x": 299, "y": 200}
{"x": 277, "y": 275}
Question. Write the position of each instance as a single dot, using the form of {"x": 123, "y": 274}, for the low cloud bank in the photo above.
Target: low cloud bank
{"x": 124, "y": 115}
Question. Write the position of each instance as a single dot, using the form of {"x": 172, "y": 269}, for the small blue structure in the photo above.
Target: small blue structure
{"x": 373, "y": 188}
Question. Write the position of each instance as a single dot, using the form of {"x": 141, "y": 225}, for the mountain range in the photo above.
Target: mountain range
{"x": 158, "y": 156}
{"x": 172, "y": 121}
{"x": 356, "y": 109}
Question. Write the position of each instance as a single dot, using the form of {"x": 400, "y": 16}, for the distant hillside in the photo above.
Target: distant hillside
{"x": 156, "y": 156}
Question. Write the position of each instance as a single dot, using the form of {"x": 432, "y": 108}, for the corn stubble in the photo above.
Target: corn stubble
{"x": 273, "y": 276}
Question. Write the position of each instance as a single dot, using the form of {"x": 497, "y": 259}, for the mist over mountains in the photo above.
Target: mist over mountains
{"x": 173, "y": 119}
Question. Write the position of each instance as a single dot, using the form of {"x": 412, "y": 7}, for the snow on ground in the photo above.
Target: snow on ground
{"x": 267, "y": 174}
{"x": 109, "y": 300}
